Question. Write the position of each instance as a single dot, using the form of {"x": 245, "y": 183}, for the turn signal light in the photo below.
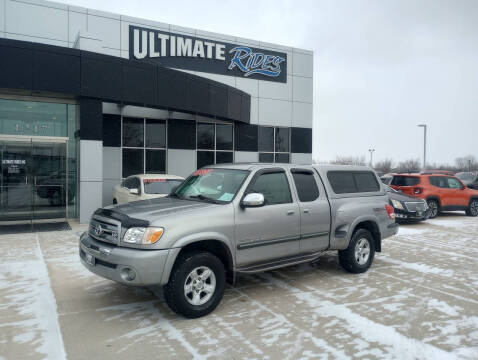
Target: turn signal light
{"x": 417, "y": 190}
{"x": 390, "y": 211}
{"x": 153, "y": 234}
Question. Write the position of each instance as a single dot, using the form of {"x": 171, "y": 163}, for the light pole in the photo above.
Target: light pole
{"x": 424, "y": 126}
{"x": 371, "y": 156}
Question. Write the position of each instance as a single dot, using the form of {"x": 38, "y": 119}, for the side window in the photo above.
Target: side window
{"x": 453, "y": 183}
{"x": 438, "y": 181}
{"x": 274, "y": 187}
{"x": 306, "y": 186}
{"x": 123, "y": 183}
{"x": 135, "y": 183}
{"x": 127, "y": 183}
{"x": 342, "y": 182}
{"x": 366, "y": 182}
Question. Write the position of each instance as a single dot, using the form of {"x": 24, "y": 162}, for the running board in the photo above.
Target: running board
{"x": 278, "y": 263}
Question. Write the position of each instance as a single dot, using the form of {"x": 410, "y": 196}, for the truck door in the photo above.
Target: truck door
{"x": 269, "y": 232}
{"x": 314, "y": 210}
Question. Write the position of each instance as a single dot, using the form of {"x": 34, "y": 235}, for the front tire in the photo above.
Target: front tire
{"x": 196, "y": 284}
{"x": 472, "y": 208}
{"x": 434, "y": 208}
{"x": 358, "y": 257}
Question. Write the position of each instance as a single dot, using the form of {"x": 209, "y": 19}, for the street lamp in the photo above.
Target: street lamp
{"x": 424, "y": 126}
{"x": 371, "y": 156}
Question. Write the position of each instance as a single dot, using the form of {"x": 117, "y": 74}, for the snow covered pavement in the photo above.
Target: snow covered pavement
{"x": 418, "y": 301}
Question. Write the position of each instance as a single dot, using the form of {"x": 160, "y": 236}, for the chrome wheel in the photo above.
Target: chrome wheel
{"x": 362, "y": 251}
{"x": 200, "y": 285}
{"x": 474, "y": 208}
{"x": 433, "y": 206}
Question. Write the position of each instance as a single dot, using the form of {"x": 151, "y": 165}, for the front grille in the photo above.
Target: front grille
{"x": 416, "y": 206}
{"x": 103, "y": 229}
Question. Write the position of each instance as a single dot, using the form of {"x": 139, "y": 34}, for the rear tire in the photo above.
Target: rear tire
{"x": 434, "y": 208}
{"x": 358, "y": 257}
{"x": 196, "y": 284}
{"x": 472, "y": 208}
{"x": 115, "y": 201}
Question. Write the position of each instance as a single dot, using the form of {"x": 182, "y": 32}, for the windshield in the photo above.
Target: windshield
{"x": 215, "y": 185}
{"x": 160, "y": 186}
{"x": 465, "y": 176}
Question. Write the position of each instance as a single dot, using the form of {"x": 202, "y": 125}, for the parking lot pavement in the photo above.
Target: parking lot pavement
{"x": 418, "y": 301}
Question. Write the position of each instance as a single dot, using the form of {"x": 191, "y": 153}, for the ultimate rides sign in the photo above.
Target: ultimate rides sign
{"x": 197, "y": 54}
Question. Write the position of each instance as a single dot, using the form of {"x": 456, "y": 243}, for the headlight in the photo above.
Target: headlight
{"x": 397, "y": 204}
{"x": 143, "y": 236}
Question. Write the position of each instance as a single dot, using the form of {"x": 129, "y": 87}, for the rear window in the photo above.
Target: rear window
{"x": 438, "y": 181}
{"x": 405, "y": 180}
{"x": 353, "y": 181}
{"x": 306, "y": 186}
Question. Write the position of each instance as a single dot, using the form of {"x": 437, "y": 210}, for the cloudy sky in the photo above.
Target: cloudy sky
{"x": 381, "y": 67}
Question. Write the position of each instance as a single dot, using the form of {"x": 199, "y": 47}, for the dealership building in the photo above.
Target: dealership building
{"x": 88, "y": 98}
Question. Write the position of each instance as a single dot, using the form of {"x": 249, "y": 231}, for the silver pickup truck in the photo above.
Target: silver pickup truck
{"x": 238, "y": 218}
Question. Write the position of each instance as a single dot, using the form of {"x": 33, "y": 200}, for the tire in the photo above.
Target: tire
{"x": 434, "y": 208}
{"x": 354, "y": 260}
{"x": 180, "y": 297}
{"x": 115, "y": 201}
{"x": 472, "y": 208}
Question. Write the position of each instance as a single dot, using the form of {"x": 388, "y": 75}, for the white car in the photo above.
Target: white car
{"x": 144, "y": 186}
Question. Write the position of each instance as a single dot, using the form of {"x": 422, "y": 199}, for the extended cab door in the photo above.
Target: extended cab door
{"x": 314, "y": 210}
{"x": 269, "y": 232}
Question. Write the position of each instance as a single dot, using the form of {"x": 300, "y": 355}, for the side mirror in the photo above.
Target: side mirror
{"x": 253, "y": 200}
{"x": 134, "y": 191}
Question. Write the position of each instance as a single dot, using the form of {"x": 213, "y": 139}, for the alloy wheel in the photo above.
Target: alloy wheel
{"x": 362, "y": 251}
{"x": 200, "y": 285}
{"x": 474, "y": 208}
{"x": 433, "y": 208}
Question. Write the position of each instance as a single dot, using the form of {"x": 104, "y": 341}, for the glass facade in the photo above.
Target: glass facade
{"x": 215, "y": 144}
{"x": 274, "y": 144}
{"x": 39, "y": 172}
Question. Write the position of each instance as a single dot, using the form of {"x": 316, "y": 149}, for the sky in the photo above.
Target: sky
{"x": 380, "y": 67}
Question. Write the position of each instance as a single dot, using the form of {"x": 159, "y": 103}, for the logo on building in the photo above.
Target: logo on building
{"x": 211, "y": 56}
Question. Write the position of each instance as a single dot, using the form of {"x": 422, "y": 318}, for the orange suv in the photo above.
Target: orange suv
{"x": 442, "y": 191}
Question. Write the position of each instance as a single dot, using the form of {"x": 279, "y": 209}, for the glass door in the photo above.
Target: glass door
{"x": 15, "y": 182}
{"x": 33, "y": 182}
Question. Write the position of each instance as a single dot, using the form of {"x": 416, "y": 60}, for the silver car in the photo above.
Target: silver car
{"x": 242, "y": 218}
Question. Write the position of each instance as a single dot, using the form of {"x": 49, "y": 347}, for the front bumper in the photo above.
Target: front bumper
{"x": 120, "y": 264}
{"x": 403, "y": 215}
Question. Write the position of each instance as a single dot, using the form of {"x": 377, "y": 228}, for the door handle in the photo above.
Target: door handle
{"x": 306, "y": 211}
{"x": 290, "y": 212}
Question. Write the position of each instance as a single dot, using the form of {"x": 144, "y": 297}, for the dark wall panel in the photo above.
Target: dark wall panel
{"x": 246, "y": 109}
{"x": 101, "y": 77}
{"x": 181, "y": 134}
{"x": 56, "y": 72}
{"x": 234, "y": 104}
{"x": 111, "y": 130}
{"x": 198, "y": 94}
{"x": 16, "y": 70}
{"x": 301, "y": 140}
{"x": 139, "y": 83}
{"x": 245, "y": 137}
{"x": 176, "y": 96}
{"x": 91, "y": 119}
{"x": 218, "y": 99}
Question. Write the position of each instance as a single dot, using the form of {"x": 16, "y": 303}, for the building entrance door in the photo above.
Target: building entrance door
{"x": 33, "y": 180}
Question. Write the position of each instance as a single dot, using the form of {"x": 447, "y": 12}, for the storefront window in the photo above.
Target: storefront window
{"x": 144, "y": 146}
{"x": 274, "y": 144}
{"x": 214, "y": 144}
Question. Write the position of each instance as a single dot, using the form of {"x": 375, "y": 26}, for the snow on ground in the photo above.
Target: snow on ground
{"x": 418, "y": 301}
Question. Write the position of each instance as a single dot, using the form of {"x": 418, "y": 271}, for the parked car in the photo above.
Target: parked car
{"x": 470, "y": 179}
{"x": 442, "y": 192}
{"x": 241, "y": 218}
{"x": 144, "y": 186}
{"x": 386, "y": 178}
{"x": 407, "y": 208}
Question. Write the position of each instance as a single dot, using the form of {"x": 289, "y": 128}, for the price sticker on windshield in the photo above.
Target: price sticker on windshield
{"x": 201, "y": 172}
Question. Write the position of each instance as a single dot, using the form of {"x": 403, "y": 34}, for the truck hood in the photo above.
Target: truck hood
{"x": 151, "y": 210}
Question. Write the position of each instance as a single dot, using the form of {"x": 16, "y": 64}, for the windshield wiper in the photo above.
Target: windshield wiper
{"x": 204, "y": 198}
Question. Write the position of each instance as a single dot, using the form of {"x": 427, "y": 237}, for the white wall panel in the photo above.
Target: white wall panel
{"x": 299, "y": 158}
{"x": 181, "y": 162}
{"x": 228, "y": 80}
{"x": 34, "y": 20}
{"x": 91, "y": 160}
{"x": 302, "y": 64}
{"x": 77, "y": 23}
{"x": 2, "y": 16}
{"x": 107, "y": 192}
{"x": 245, "y": 156}
{"x": 302, "y": 114}
{"x": 106, "y": 29}
{"x": 303, "y": 89}
{"x": 254, "y": 110}
{"x": 275, "y": 112}
{"x": 138, "y": 111}
{"x": 111, "y": 162}
{"x": 91, "y": 198}
{"x": 249, "y": 86}
{"x": 35, "y": 39}
{"x": 276, "y": 90}
{"x": 215, "y": 36}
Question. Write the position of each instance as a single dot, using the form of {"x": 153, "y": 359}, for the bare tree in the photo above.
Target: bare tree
{"x": 410, "y": 165}
{"x": 349, "y": 160}
{"x": 384, "y": 165}
{"x": 466, "y": 163}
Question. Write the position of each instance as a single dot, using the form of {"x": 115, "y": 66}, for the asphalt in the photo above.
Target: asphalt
{"x": 419, "y": 300}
